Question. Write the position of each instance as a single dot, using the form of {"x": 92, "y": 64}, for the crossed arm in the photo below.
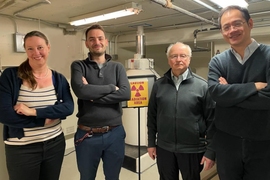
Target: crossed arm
{"x": 116, "y": 89}
{"x": 258, "y": 100}
{"x": 258, "y": 85}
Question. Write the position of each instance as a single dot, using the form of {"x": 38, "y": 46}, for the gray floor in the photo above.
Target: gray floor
{"x": 70, "y": 172}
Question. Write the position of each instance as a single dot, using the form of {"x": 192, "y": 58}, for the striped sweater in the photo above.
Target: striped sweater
{"x": 37, "y": 98}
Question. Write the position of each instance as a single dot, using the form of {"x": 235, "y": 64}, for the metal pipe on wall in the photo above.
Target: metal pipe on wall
{"x": 140, "y": 42}
{"x": 6, "y": 4}
{"x": 16, "y": 14}
{"x": 168, "y": 4}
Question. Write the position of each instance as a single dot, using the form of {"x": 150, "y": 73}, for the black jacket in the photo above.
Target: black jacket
{"x": 181, "y": 120}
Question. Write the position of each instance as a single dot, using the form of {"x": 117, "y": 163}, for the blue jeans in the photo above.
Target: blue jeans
{"x": 110, "y": 147}
{"x": 37, "y": 161}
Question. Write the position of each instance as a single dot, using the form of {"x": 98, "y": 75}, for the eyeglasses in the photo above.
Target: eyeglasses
{"x": 235, "y": 24}
{"x": 182, "y": 56}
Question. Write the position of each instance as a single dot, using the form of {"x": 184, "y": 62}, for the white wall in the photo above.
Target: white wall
{"x": 64, "y": 48}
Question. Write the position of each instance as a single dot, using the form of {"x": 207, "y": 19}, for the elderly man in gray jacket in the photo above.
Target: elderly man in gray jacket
{"x": 180, "y": 116}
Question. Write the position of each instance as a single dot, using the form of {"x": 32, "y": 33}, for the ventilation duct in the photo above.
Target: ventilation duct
{"x": 140, "y": 43}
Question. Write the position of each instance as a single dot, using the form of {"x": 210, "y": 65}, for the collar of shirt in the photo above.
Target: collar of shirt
{"x": 248, "y": 51}
{"x": 177, "y": 80}
{"x": 184, "y": 75}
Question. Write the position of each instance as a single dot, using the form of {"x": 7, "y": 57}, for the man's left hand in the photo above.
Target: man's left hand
{"x": 208, "y": 163}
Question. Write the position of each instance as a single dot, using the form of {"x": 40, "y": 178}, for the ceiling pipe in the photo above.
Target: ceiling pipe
{"x": 6, "y": 4}
{"x": 12, "y": 19}
{"x": 168, "y": 4}
{"x": 217, "y": 11}
{"x": 260, "y": 13}
{"x": 173, "y": 26}
{"x": 197, "y": 48}
{"x": 16, "y": 14}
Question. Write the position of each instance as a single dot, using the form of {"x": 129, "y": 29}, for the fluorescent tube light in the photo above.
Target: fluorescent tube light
{"x": 112, "y": 13}
{"x": 206, "y": 5}
{"x": 224, "y": 3}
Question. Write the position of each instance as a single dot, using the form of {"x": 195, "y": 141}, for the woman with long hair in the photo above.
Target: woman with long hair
{"x": 33, "y": 101}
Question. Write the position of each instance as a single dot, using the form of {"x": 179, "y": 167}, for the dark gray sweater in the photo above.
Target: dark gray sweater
{"x": 241, "y": 110}
{"x": 99, "y": 104}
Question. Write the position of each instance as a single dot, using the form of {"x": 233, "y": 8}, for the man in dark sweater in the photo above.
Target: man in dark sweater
{"x": 100, "y": 85}
{"x": 238, "y": 82}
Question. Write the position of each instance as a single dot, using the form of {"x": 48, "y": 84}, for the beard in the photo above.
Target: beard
{"x": 97, "y": 50}
{"x": 96, "y": 53}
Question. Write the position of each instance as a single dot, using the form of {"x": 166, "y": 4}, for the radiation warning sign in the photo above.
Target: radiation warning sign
{"x": 139, "y": 92}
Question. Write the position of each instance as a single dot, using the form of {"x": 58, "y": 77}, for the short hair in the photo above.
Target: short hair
{"x": 35, "y": 33}
{"x": 243, "y": 11}
{"x": 95, "y": 26}
{"x": 171, "y": 45}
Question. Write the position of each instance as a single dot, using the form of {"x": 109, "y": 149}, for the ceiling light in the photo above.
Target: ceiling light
{"x": 223, "y": 3}
{"x": 206, "y": 5}
{"x": 111, "y": 13}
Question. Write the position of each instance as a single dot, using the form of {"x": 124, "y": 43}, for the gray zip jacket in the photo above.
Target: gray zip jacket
{"x": 181, "y": 121}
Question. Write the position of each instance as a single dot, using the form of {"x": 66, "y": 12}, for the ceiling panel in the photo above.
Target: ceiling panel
{"x": 153, "y": 17}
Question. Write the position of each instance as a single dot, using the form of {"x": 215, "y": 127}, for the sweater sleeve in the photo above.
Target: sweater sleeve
{"x": 87, "y": 91}
{"x": 9, "y": 87}
{"x": 122, "y": 94}
{"x": 260, "y": 100}
{"x": 230, "y": 94}
{"x": 64, "y": 106}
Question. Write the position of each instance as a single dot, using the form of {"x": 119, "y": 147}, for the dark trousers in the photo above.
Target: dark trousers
{"x": 110, "y": 147}
{"x": 240, "y": 158}
{"x": 169, "y": 164}
{"x": 37, "y": 161}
